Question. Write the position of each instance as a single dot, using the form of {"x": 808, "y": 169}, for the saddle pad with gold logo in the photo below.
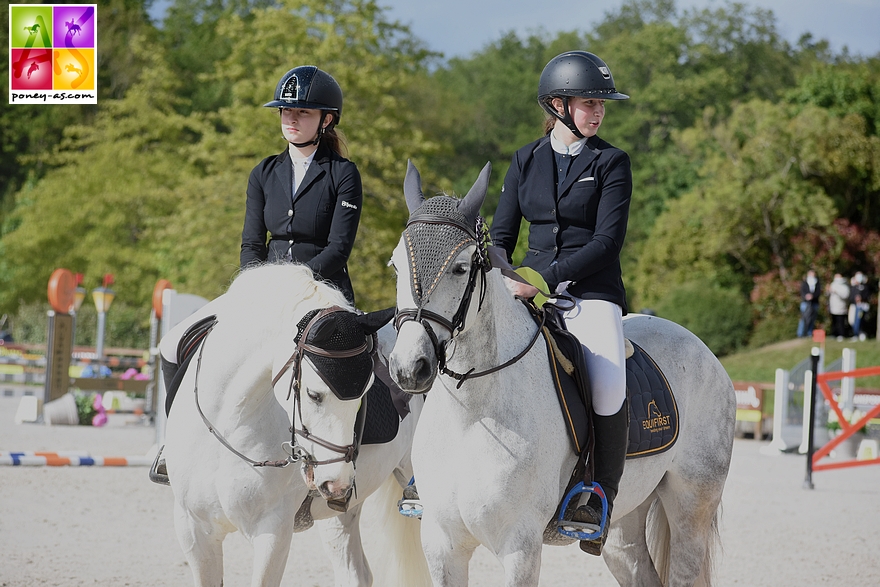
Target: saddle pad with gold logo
{"x": 653, "y": 415}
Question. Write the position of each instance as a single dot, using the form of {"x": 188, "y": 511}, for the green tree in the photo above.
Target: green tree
{"x": 752, "y": 199}
{"x": 110, "y": 182}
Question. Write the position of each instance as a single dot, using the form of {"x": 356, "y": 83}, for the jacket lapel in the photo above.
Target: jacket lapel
{"x": 580, "y": 164}
{"x": 284, "y": 175}
{"x": 546, "y": 162}
{"x": 316, "y": 169}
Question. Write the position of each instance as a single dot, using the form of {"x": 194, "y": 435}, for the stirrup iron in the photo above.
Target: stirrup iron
{"x": 582, "y": 530}
{"x": 410, "y": 505}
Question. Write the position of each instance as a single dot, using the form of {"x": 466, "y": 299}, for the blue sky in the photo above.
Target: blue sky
{"x": 458, "y": 28}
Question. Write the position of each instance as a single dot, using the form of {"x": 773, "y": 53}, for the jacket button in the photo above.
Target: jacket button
{"x": 553, "y": 212}
{"x": 290, "y": 212}
{"x": 555, "y": 229}
{"x": 290, "y": 242}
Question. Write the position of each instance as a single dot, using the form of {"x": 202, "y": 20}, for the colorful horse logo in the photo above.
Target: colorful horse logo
{"x": 33, "y": 29}
{"x": 72, "y": 67}
{"x": 34, "y": 67}
{"x": 73, "y": 28}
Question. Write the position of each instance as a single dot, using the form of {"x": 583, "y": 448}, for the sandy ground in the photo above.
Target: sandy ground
{"x": 74, "y": 526}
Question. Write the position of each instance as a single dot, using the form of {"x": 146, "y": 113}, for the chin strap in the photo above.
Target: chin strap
{"x": 567, "y": 120}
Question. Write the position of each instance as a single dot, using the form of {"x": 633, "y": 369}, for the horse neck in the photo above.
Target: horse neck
{"x": 497, "y": 332}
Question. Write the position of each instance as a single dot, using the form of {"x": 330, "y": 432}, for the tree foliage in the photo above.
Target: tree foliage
{"x": 752, "y": 158}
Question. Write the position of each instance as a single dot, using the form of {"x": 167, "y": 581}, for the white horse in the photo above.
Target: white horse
{"x": 241, "y": 386}
{"x": 491, "y": 454}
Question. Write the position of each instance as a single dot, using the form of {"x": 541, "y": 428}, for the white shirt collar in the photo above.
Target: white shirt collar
{"x": 296, "y": 158}
{"x": 573, "y": 149}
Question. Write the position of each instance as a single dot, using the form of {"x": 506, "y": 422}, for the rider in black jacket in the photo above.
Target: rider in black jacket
{"x": 575, "y": 189}
{"x": 306, "y": 200}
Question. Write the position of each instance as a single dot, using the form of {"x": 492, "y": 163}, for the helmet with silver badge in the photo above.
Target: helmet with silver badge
{"x": 307, "y": 86}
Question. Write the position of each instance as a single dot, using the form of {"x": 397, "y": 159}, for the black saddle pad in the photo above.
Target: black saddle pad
{"x": 382, "y": 420}
{"x": 653, "y": 415}
{"x": 186, "y": 349}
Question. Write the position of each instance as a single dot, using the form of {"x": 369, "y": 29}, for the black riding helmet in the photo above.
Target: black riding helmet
{"x": 575, "y": 73}
{"x": 307, "y": 86}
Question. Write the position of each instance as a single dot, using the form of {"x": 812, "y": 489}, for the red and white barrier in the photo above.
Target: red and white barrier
{"x": 69, "y": 458}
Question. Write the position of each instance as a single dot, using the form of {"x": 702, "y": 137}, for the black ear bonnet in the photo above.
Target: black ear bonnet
{"x": 339, "y": 350}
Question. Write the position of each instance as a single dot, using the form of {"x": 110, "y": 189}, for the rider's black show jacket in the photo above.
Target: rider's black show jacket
{"x": 317, "y": 225}
{"x": 576, "y": 229}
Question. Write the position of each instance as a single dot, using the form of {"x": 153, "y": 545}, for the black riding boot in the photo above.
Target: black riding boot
{"x": 612, "y": 439}
{"x": 159, "y": 472}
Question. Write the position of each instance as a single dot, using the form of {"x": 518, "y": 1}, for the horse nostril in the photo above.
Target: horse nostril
{"x": 423, "y": 370}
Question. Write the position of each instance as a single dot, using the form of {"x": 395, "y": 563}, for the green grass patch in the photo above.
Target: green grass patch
{"x": 761, "y": 364}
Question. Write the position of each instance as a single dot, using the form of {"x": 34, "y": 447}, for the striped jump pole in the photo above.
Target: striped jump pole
{"x": 69, "y": 458}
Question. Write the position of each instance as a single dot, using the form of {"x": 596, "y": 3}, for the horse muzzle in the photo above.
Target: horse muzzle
{"x": 413, "y": 364}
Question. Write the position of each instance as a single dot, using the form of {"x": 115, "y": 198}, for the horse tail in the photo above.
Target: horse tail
{"x": 395, "y": 555}
{"x": 659, "y": 536}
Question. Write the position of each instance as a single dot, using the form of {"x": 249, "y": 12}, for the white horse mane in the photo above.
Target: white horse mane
{"x": 264, "y": 294}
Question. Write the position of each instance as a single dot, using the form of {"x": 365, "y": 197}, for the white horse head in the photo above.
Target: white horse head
{"x": 332, "y": 370}
{"x": 440, "y": 278}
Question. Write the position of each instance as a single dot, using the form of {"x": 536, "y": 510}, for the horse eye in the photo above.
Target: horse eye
{"x": 314, "y": 396}
{"x": 460, "y": 269}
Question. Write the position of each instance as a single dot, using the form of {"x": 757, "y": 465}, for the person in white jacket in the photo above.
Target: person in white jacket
{"x": 838, "y": 305}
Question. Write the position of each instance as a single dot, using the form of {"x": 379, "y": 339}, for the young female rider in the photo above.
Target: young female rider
{"x": 574, "y": 189}
{"x": 307, "y": 199}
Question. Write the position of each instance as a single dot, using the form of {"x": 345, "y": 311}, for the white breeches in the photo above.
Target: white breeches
{"x": 598, "y": 325}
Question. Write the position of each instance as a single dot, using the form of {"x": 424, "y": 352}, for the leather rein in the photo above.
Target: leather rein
{"x": 294, "y": 450}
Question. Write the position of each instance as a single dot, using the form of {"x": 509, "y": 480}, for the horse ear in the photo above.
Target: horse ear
{"x": 373, "y": 321}
{"x": 412, "y": 187}
{"x": 470, "y": 205}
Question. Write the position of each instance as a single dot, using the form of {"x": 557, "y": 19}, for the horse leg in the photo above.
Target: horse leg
{"x": 448, "y": 556}
{"x": 202, "y": 544}
{"x": 690, "y": 511}
{"x": 626, "y": 552}
{"x": 342, "y": 543}
{"x": 271, "y": 549}
{"x": 522, "y": 566}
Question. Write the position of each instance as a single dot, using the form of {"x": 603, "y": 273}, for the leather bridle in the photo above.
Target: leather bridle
{"x": 295, "y": 451}
{"x": 480, "y": 265}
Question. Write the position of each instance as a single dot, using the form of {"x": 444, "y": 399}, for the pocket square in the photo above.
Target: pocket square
{"x": 591, "y": 178}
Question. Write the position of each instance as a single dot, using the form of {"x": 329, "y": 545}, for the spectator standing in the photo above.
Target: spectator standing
{"x": 858, "y": 303}
{"x": 811, "y": 290}
{"x": 838, "y": 304}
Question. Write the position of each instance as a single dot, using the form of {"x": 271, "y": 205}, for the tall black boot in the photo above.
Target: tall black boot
{"x": 612, "y": 440}
{"x": 159, "y": 472}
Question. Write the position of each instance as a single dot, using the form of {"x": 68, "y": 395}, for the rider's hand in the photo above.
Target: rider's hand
{"x": 518, "y": 288}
